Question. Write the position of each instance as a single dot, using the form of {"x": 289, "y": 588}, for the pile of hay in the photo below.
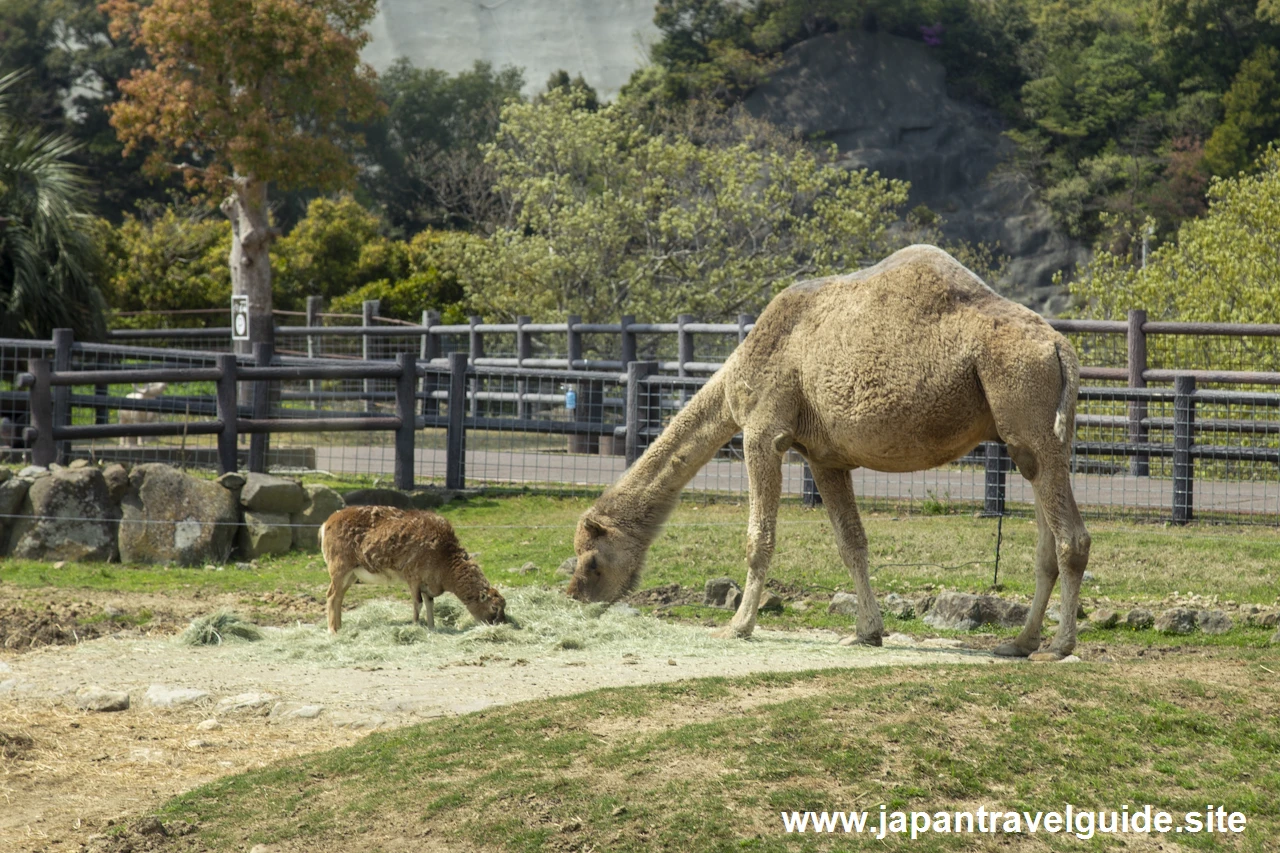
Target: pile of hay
{"x": 217, "y": 628}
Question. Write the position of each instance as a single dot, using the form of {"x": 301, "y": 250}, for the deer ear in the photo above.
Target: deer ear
{"x": 493, "y": 590}
{"x": 595, "y": 528}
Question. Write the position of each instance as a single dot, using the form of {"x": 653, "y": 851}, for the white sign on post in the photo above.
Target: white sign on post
{"x": 240, "y": 318}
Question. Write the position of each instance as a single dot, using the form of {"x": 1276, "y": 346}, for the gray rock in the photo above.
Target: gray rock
{"x": 117, "y": 479}
{"x": 77, "y": 464}
{"x": 770, "y": 602}
{"x": 34, "y": 471}
{"x": 621, "y": 608}
{"x": 1088, "y": 576}
{"x": 1176, "y": 620}
{"x": 173, "y": 518}
{"x": 209, "y": 726}
{"x": 924, "y": 603}
{"x": 164, "y": 696}
{"x": 801, "y": 606}
{"x": 232, "y": 481}
{"x": 1213, "y": 621}
{"x": 1139, "y": 619}
{"x": 265, "y": 533}
{"x": 722, "y": 592}
{"x": 265, "y": 493}
{"x": 71, "y": 518}
{"x": 568, "y": 567}
{"x": 1054, "y": 612}
{"x": 1275, "y": 639}
{"x": 97, "y": 699}
{"x": 526, "y": 569}
{"x": 319, "y": 502}
{"x": 12, "y": 493}
{"x": 1264, "y": 620}
{"x": 378, "y": 497}
{"x": 428, "y": 498}
{"x": 295, "y": 711}
{"x": 243, "y": 702}
{"x": 961, "y": 611}
{"x": 843, "y": 604}
{"x": 5, "y": 474}
{"x": 898, "y": 606}
{"x": 1105, "y": 618}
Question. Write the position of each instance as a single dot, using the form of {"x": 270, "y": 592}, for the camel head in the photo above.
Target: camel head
{"x": 489, "y": 607}
{"x": 609, "y": 560}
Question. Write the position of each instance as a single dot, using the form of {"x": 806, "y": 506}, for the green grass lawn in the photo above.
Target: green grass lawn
{"x": 712, "y": 764}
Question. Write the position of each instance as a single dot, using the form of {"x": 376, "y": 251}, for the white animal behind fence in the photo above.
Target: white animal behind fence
{"x": 135, "y": 416}
{"x": 385, "y": 545}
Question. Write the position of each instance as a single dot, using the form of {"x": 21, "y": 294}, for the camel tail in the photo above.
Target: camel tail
{"x": 1066, "y": 402}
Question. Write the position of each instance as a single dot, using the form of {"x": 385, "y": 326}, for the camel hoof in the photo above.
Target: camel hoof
{"x": 1010, "y": 650}
{"x": 728, "y": 632}
{"x": 1047, "y": 657}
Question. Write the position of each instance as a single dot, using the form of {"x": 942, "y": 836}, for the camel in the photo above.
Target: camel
{"x": 903, "y": 366}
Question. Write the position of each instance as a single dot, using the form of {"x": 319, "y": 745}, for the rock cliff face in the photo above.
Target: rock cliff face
{"x": 882, "y": 100}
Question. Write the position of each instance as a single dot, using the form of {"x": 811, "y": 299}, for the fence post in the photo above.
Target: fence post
{"x": 368, "y": 311}
{"x": 313, "y": 320}
{"x": 995, "y": 477}
{"x": 1139, "y": 465}
{"x": 62, "y": 341}
{"x": 406, "y": 388}
{"x": 573, "y": 340}
{"x": 430, "y": 351}
{"x": 684, "y": 343}
{"x": 455, "y": 468}
{"x": 227, "y": 413}
{"x": 1184, "y": 424}
{"x": 475, "y": 343}
{"x": 640, "y": 408}
{"x": 628, "y": 338}
{"x": 44, "y": 451}
{"x": 524, "y": 349}
{"x": 744, "y": 320}
{"x": 809, "y": 494}
{"x": 262, "y": 353}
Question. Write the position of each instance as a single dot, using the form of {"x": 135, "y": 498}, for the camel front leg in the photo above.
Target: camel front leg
{"x": 764, "y": 471}
{"x": 1028, "y": 641}
{"x": 836, "y": 488}
{"x": 339, "y": 582}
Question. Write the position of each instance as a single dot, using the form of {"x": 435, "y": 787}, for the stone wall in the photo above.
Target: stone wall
{"x": 154, "y": 513}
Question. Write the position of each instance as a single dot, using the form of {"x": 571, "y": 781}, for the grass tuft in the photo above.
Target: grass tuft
{"x": 217, "y": 628}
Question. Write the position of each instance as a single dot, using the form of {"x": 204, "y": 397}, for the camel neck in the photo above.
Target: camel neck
{"x": 645, "y": 495}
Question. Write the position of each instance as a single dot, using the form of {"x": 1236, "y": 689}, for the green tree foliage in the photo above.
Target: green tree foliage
{"x": 1219, "y": 268}
{"x": 49, "y": 261}
{"x": 74, "y": 63}
{"x": 608, "y": 217}
{"x": 422, "y": 163}
{"x": 1251, "y": 114}
{"x": 168, "y": 259}
{"x": 339, "y": 246}
{"x": 431, "y": 281}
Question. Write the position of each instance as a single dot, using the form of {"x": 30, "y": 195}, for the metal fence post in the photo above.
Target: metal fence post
{"x": 368, "y": 311}
{"x": 641, "y": 416}
{"x": 476, "y": 348}
{"x": 313, "y": 320}
{"x": 1139, "y": 465}
{"x": 262, "y": 353}
{"x": 573, "y": 340}
{"x": 684, "y": 343}
{"x": 406, "y": 388}
{"x": 1184, "y": 424}
{"x": 744, "y": 320}
{"x": 524, "y": 349}
{"x": 62, "y": 341}
{"x": 809, "y": 494}
{"x": 455, "y": 466}
{"x": 227, "y": 413}
{"x": 995, "y": 477}
{"x": 628, "y": 338}
{"x": 429, "y": 352}
{"x": 44, "y": 451}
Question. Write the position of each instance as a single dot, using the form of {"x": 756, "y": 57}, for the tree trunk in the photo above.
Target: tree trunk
{"x": 251, "y": 236}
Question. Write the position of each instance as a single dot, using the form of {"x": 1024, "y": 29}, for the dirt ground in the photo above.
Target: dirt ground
{"x": 67, "y": 774}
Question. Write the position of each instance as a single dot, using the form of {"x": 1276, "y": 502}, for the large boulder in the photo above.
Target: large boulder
{"x": 172, "y": 517}
{"x": 69, "y": 517}
{"x": 265, "y": 493}
{"x": 320, "y": 503}
{"x": 265, "y": 533}
{"x": 723, "y": 593}
{"x": 378, "y": 497}
{"x": 961, "y": 611}
{"x": 12, "y": 492}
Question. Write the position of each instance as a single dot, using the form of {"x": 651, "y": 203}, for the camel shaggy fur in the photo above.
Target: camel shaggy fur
{"x": 903, "y": 366}
{"x": 385, "y": 545}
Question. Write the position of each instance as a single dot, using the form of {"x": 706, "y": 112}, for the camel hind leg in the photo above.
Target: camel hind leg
{"x": 764, "y": 471}
{"x": 339, "y": 582}
{"x": 1028, "y": 641}
{"x": 836, "y": 489}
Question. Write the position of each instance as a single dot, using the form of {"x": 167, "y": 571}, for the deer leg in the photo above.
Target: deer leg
{"x": 836, "y": 489}
{"x": 1071, "y": 547}
{"x": 431, "y": 614}
{"x": 1028, "y": 641}
{"x": 415, "y": 594}
{"x": 339, "y": 581}
{"x": 764, "y": 471}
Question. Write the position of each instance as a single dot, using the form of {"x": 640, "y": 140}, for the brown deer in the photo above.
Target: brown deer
{"x": 383, "y": 545}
